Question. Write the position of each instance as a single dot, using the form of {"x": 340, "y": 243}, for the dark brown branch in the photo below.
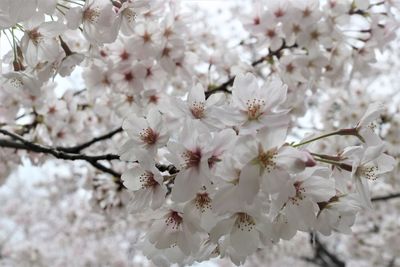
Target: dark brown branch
{"x": 221, "y": 88}
{"x": 322, "y": 256}
{"x": 79, "y": 148}
{"x": 384, "y": 198}
{"x": 22, "y": 144}
{"x": 80, "y": 92}
{"x": 103, "y": 168}
{"x": 54, "y": 151}
{"x": 170, "y": 168}
{"x": 38, "y": 149}
{"x": 224, "y": 87}
{"x": 24, "y": 115}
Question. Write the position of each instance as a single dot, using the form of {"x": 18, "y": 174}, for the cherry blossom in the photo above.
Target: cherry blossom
{"x": 148, "y": 133}
{"x": 257, "y": 106}
{"x": 368, "y": 164}
{"x": 39, "y": 42}
{"x": 161, "y": 133}
{"x": 98, "y": 20}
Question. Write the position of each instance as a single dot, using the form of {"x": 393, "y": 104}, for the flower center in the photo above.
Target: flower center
{"x": 153, "y": 99}
{"x": 244, "y": 222}
{"x": 296, "y": 28}
{"x": 91, "y": 15}
{"x": 203, "y": 202}
{"x": 299, "y": 193}
{"x": 197, "y": 109}
{"x": 52, "y": 110}
{"x": 148, "y": 136}
{"x": 368, "y": 172}
{"x": 174, "y": 220}
{"x": 35, "y": 36}
{"x": 254, "y": 108}
{"x": 124, "y": 55}
{"x": 147, "y": 180}
{"x": 146, "y": 37}
{"x": 130, "y": 15}
{"x": 270, "y": 33}
{"x": 306, "y": 12}
{"x": 17, "y": 83}
{"x": 256, "y": 21}
{"x": 279, "y": 13}
{"x": 130, "y": 99}
{"x": 289, "y": 68}
{"x": 267, "y": 159}
{"x": 192, "y": 158}
{"x": 128, "y": 76}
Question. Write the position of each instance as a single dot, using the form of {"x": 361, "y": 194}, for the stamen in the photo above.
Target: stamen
{"x": 174, "y": 219}
{"x": 299, "y": 193}
{"x": 254, "y": 108}
{"x": 148, "y": 136}
{"x": 35, "y": 36}
{"x": 91, "y": 15}
{"x": 130, "y": 15}
{"x": 192, "y": 158}
{"x": 267, "y": 159}
{"x": 203, "y": 202}
{"x": 197, "y": 109}
{"x": 147, "y": 180}
{"x": 17, "y": 83}
{"x": 368, "y": 172}
{"x": 244, "y": 222}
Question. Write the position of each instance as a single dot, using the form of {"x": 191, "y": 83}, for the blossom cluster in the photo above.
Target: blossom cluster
{"x": 238, "y": 186}
{"x": 204, "y": 139}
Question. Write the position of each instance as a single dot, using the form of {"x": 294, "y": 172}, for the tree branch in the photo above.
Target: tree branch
{"x": 384, "y": 198}
{"x": 224, "y": 87}
{"x": 79, "y": 148}
{"x": 23, "y": 144}
{"x": 322, "y": 256}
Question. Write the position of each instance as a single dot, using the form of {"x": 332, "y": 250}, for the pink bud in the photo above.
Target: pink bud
{"x": 310, "y": 162}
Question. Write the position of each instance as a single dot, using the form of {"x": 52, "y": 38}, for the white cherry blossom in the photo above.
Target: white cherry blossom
{"x": 147, "y": 133}
{"x": 257, "y": 107}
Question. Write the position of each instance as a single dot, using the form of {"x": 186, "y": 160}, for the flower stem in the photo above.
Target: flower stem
{"x": 324, "y": 156}
{"x": 338, "y": 164}
{"x": 350, "y": 131}
{"x": 317, "y": 138}
{"x": 329, "y": 161}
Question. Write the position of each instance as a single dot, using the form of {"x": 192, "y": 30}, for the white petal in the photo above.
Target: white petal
{"x": 245, "y": 241}
{"x": 187, "y": 184}
{"x": 249, "y": 182}
{"x": 372, "y": 153}
{"x": 372, "y": 113}
{"x": 276, "y": 93}
{"x": 131, "y": 178}
{"x": 74, "y": 17}
{"x": 196, "y": 94}
{"x": 222, "y": 228}
{"x": 128, "y": 151}
{"x": 363, "y": 191}
{"x": 133, "y": 125}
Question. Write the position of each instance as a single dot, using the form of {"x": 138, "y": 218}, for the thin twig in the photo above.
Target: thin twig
{"x": 322, "y": 256}
{"x": 384, "y": 198}
{"x": 79, "y": 92}
{"x": 79, "y": 148}
{"x": 224, "y": 87}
